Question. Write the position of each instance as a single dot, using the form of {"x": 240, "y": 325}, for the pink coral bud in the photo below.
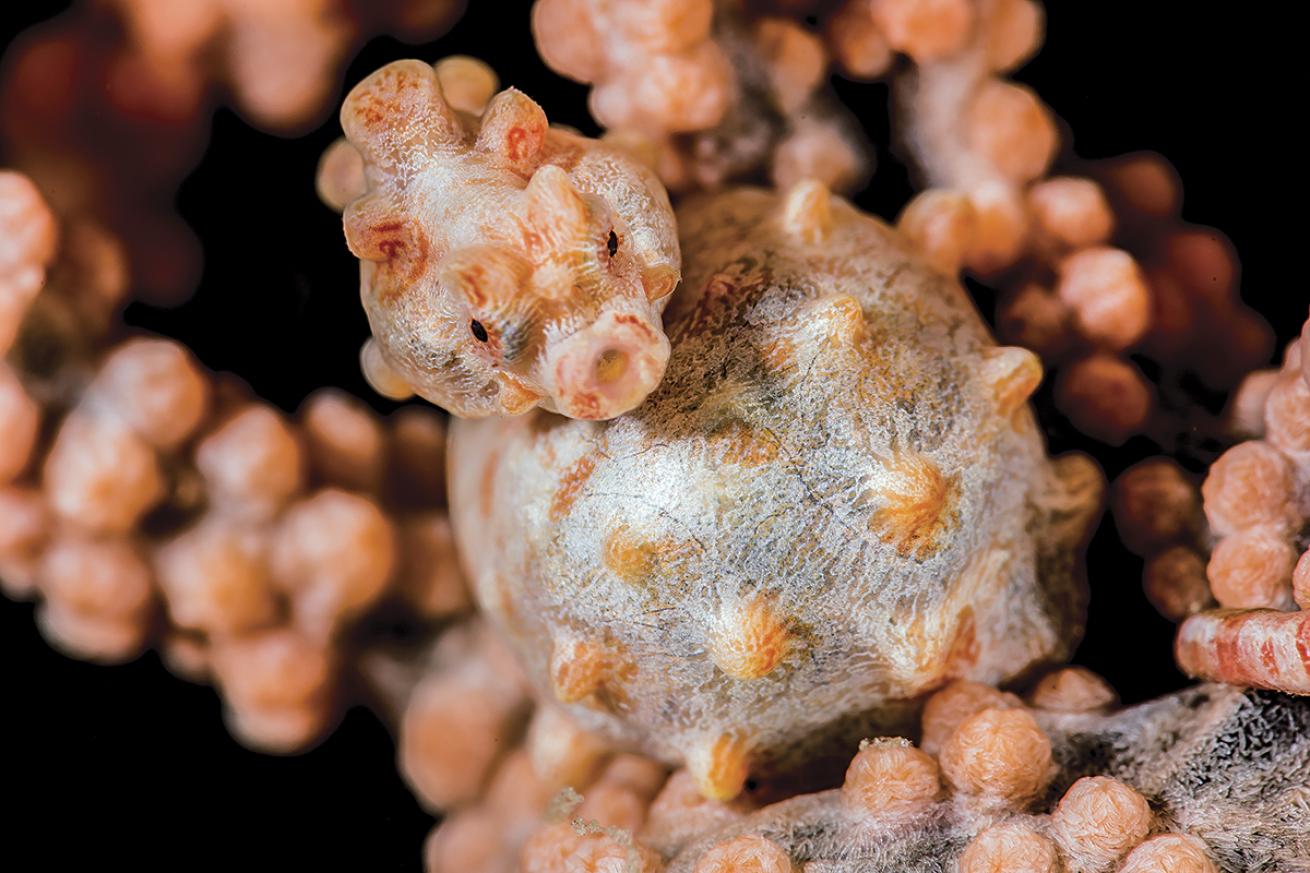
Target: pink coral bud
{"x": 819, "y": 151}
{"x": 1300, "y": 579}
{"x": 1105, "y": 397}
{"x": 1010, "y": 848}
{"x": 88, "y": 636}
{"x": 1169, "y": 853}
{"x": 1071, "y": 213}
{"x": 100, "y": 476}
{"x": 1305, "y": 358}
{"x": 1252, "y": 569}
{"x": 281, "y": 65}
{"x": 561, "y": 848}
{"x": 673, "y": 93}
{"x": 940, "y": 223}
{"x": 1249, "y": 485}
{"x": 1072, "y": 689}
{"x": 795, "y": 61}
{"x": 515, "y": 795}
{"x": 334, "y": 554}
{"x": 1154, "y": 505}
{"x": 947, "y": 709}
{"x": 155, "y": 387}
{"x": 1014, "y": 32}
{"x": 1287, "y": 418}
{"x": 28, "y": 231}
{"x": 467, "y": 83}
{"x": 340, "y": 175}
{"x": 561, "y": 752}
{"x": 1099, "y": 819}
{"x": 98, "y": 594}
{"x": 277, "y": 684}
{"x": 1000, "y": 229}
{"x": 1246, "y": 409}
{"x": 1013, "y": 130}
{"x": 999, "y": 756}
{"x": 680, "y": 813}
{"x": 613, "y": 806}
{"x": 666, "y": 25}
{"x": 566, "y": 39}
{"x": 429, "y": 579}
{"x": 215, "y": 580}
{"x": 252, "y": 463}
{"x": 107, "y": 578}
{"x": 19, "y": 419}
{"x": 746, "y": 854}
{"x": 926, "y": 30}
{"x": 1036, "y": 319}
{"x": 17, "y": 291}
{"x": 1144, "y": 183}
{"x": 455, "y": 726}
{"x": 471, "y": 839}
{"x": 344, "y": 441}
{"x": 1108, "y": 295}
{"x": 417, "y": 460}
{"x": 24, "y": 526}
{"x": 857, "y": 43}
{"x": 1175, "y": 582}
{"x": 1205, "y": 263}
{"x": 891, "y": 777}
{"x": 186, "y": 656}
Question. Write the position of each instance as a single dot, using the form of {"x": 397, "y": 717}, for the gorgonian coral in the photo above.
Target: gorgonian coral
{"x": 167, "y": 492}
{"x": 831, "y": 521}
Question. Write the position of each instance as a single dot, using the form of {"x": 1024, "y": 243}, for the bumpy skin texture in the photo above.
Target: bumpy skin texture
{"x": 505, "y": 264}
{"x": 1225, "y": 765}
{"x": 836, "y": 501}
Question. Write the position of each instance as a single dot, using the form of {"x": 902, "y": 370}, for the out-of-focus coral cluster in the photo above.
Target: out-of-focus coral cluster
{"x": 170, "y": 508}
{"x": 1157, "y": 511}
{"x": 708, "y": 91}
{"x": 1095, "y": 270}
{"x": 107, "y": 107}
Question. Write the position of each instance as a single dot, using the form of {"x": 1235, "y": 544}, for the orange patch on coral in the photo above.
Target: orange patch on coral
{"x": 570, "y": 486}
{"x": 919, "y": 506}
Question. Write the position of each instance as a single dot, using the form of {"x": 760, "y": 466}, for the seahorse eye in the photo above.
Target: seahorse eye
{"x": 612, "y": 244}
{"x": 479, "y": 332}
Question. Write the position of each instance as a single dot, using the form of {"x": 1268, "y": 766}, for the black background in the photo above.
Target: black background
{"x": 129, "y": 767}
